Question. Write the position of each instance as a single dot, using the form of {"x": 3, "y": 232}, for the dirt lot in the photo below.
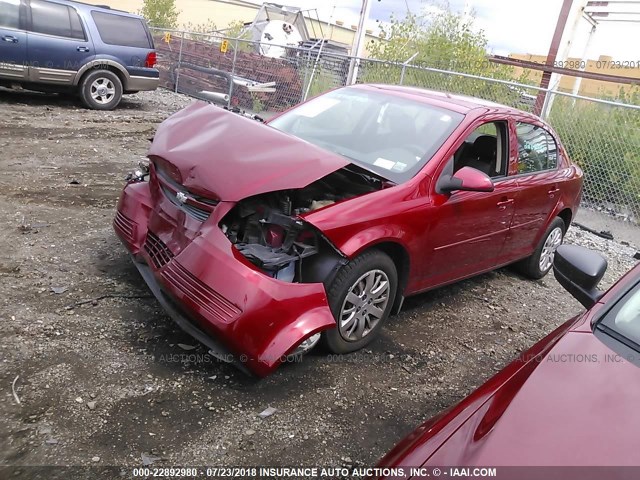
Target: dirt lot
{"x": 109, "y": 381}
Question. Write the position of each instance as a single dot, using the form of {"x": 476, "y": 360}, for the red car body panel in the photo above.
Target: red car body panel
{"x": 268, "y": 159}
{"x": 223, "y": 292}
{"x": 568, "y": 401}
{"x": 224, "y": 157}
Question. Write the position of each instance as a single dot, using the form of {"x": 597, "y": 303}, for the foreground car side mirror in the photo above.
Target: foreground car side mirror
{"x": 466, "y": 179}
{"x": 579, "y": 270}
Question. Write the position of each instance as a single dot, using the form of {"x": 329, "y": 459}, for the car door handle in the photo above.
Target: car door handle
{"x": 553, "y": 191}
{"x": 502, "y": 205}
{"x": 82, "y": 49}
{"x": 10, "y": 39}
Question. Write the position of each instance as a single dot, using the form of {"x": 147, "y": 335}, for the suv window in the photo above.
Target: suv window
{"x": 10, "y": 13}
{"x": 55, "y": 19}
{"x": 537, "y": 150}
{"x": 120, "y": 30}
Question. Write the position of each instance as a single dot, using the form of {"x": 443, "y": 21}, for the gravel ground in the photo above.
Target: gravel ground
{"x": 112, "y": 381}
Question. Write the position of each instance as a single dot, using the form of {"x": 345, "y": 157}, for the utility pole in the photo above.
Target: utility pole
{"x": 357, "y": 48}
{"x": 553, "y": 53}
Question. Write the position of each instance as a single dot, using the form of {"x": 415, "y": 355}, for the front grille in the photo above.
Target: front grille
{"x": 124, "y": 225}
{"x": 200, "y": 294}
{"x": 156, "y": 249}
{"x": 199, "y": 214}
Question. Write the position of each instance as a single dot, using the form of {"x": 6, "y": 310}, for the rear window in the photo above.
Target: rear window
{"x": 119, "y": 30}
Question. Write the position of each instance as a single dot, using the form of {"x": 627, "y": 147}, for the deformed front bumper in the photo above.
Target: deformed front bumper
{"x": 213, "y": 293}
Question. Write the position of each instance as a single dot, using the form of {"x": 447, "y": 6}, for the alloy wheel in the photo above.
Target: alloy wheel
{"x": 364, "y": 305}
{"x": 102, "y": 90}
{"x": 553, "y": 241}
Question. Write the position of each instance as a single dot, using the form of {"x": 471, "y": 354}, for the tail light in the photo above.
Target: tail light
{"x": 151, "y": 60}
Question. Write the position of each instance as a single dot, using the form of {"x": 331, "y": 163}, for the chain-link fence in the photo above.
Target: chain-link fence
{"x": 603, "y": 137}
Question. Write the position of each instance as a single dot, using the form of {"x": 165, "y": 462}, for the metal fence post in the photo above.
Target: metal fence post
{"x": 548, "y": 102}
{"x": 233, "y": 70}
{"x": 305, "y": 88}
{"x": 179, "y": 61}
{"x": 404, "y": 66}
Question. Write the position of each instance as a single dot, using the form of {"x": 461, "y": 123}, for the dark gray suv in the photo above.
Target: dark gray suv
{"x": 66, "y": 46}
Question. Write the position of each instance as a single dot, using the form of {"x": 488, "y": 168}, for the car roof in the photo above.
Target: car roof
{"x": 96, "y": 6}
{"x": 451, "y": 101}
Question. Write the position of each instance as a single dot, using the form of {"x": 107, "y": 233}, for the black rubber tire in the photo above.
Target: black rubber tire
{"x": 530, "y": 266}
{"x": 346, "y": 277}
{"x": 85, "y": 90}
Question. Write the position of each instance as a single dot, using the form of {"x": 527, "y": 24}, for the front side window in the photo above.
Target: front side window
{"x": 120, "y": 30}
{"x": 55, "y": 19}
{"x": 485, "y": 149}
{"x": 9, "y": 14}
{"x": 389, "y": 135}
{"x": 537, "y": 150}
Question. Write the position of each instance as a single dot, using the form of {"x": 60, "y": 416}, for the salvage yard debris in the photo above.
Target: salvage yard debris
{"x": 95, "y": 300}
{"x": 13, "y": 389}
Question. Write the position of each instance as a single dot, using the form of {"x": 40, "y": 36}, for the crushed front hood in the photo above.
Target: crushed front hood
{"x": 225, "y": 156}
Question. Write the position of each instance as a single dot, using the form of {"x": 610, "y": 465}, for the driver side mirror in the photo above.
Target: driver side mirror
{"x": 579, "y": 270}
{"x": 466, "y": 179}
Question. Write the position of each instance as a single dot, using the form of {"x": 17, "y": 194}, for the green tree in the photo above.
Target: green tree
{"x": 443, "y": 40}
{"x": 160, "y": 13}
{"x": 237, "y": 29}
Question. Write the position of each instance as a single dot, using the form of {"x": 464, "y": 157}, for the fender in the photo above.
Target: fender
{"x": 286, "y": 340}
{"x": 371, "y": 237}
{"x": 101, "y": 62}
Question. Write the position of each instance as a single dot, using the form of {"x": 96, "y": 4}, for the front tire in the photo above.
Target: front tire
{"x": 101, "y": 90}
{"x": 361, "y": 298}
{"x": 540, "y": 262}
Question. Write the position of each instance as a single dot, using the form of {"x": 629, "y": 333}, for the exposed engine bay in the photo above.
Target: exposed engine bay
{"x": 267, "y": 229}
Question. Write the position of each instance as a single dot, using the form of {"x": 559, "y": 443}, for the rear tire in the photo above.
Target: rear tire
{"x": 101, "y": 90}
{"x": 540, "y": 262}
{"x": 361, "y": 298}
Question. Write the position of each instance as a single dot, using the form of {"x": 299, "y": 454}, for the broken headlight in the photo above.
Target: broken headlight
{"x": 140, "y": 174}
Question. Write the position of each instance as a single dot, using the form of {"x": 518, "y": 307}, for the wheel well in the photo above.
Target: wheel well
{"x": 566, "y": 215}
{"x": 112, "y": 69}
{"x": 400, "y": 258}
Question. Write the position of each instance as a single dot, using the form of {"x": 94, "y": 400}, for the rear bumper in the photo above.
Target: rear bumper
{"x": 215, "y": 295}
{"x": 138, "y": 83}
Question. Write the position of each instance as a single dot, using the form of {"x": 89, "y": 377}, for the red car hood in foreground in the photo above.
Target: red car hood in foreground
{"x": 576, "y": 404}
{"x": 224, "y": 156}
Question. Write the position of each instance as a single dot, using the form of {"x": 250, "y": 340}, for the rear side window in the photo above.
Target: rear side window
{"x": 537, "y": 150}
{"x": 119, "y": 30}
{"x": 10, "y": 13}
{"x": 55, "y": 19}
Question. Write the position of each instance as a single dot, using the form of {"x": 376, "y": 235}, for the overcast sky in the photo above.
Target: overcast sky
{"x": 513, "y": 26}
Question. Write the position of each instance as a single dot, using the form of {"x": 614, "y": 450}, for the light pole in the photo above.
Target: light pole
{"x": 358, "y": 43}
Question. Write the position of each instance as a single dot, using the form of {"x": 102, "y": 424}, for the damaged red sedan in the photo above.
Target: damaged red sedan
{"x": 262, "y": 240}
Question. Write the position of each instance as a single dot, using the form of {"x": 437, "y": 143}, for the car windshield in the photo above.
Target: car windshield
{"x": 389, "y": 135}
{"x": 624, "y": 318}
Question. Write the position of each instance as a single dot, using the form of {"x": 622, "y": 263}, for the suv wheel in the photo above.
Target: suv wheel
{"x": 101, "y": 90}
